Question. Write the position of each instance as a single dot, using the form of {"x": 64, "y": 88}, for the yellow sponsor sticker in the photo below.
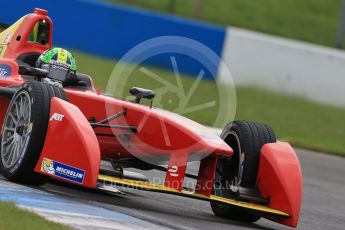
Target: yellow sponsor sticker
{"x": 48, "y": 166}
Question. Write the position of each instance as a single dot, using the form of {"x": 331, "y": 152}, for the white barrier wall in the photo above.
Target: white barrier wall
{"x": 284, "y": 65}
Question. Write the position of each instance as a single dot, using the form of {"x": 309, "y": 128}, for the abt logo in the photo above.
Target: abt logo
{"x": 57, "y": 117}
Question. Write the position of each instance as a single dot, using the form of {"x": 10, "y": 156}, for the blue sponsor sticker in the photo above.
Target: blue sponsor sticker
{"x": 62, "y": 170}
{"x": 5, "y": 70}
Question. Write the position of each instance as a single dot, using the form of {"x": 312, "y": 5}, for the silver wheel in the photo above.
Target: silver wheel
{"x": 16, "y": 129}
{"x": 24, "y": 131}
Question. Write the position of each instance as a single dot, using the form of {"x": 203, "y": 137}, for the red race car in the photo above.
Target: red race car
{"x": 62, "y": 129}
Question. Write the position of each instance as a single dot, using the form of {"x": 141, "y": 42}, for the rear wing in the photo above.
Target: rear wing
{"x": 30, "y": 34}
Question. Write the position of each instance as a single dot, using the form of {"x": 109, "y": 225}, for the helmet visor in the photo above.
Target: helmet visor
{"x": 57, "y": 72}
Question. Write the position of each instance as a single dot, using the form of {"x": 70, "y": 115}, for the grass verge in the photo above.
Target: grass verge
{"x": 308, "y": 20}
{"x": 12, "y": 217}
{"x": 305, "y": 124}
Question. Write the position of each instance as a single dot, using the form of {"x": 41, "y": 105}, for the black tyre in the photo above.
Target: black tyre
{"x": 24, "y": 131}
{"x": 246, "y": 139}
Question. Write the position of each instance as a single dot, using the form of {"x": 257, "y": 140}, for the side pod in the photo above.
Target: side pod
{"x": 71, "y": 151}
{"x": 280, "y": 180}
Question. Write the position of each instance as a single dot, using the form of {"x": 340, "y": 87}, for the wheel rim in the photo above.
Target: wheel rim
{"x": 238, "y": 179}
{"x": 231, "y": 187}
{"x": 16, "y": 129}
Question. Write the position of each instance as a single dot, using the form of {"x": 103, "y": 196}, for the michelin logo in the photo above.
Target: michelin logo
{"x": 63, "y": 171}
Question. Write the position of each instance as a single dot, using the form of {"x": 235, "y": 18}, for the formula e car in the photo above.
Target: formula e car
{"x": 66, "y": 132}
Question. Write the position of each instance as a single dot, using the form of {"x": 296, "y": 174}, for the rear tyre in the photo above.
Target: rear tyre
{"x": 240, "y": 170}
{"x": 24, "y": 131}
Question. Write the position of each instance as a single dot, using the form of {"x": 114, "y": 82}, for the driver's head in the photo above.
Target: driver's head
{"x": 59, "y": 63}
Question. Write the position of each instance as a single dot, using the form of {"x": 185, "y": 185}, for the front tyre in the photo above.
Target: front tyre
{"x": 241, "y": 169}
{"x": 24, "y": 130}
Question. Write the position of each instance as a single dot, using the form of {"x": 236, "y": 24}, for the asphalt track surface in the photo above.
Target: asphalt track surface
{"x": 323, "y": 200}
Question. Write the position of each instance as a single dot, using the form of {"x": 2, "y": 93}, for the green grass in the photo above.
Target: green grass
{"x": 308, "y": 20}
{"x": 12, "y": 217}
{"x": 303, "y": 123}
